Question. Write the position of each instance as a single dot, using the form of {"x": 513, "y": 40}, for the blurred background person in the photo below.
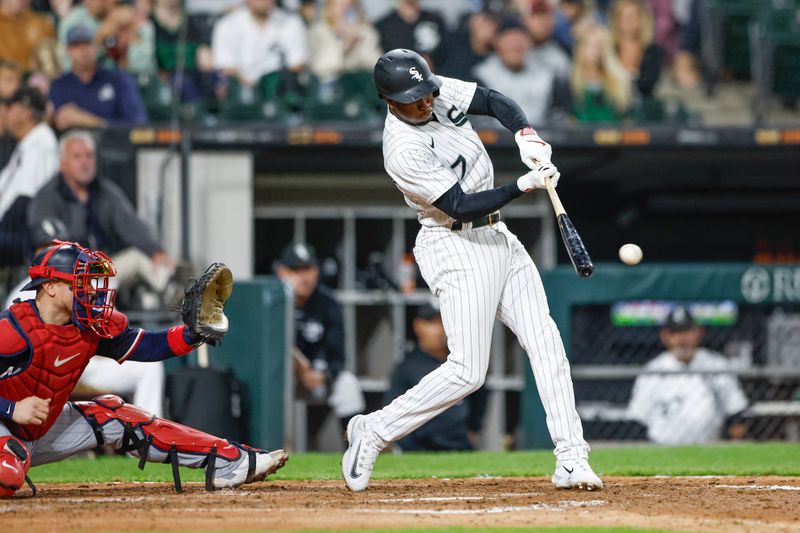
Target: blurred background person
{"x": 538, "y": 89}
{"x": 10, "y": 81}
{"x": 457, "y": 428}
{"x": 601, "y": 89}
{"x": 21, "y": 31}
{"x": 199, "y": 79}
{"x": 32, "y": 164}
{"x": 342, "y": 41}
{"x": 410, "y": 26}
{"x": 88, "y": 14}
{"x": 96, "y": 213}
{"x": 631, "y": 24}
{"x": 91, "y": 96}
{"x": 126, "y": 39}
{"x": 540, "y": 21}
{"x": 686, "y": 408}
{"x": 259, "y": 38}
{"x": 571, "y": 18}
{"x": 319, "y": 342}
{"x": 470, "y": 43}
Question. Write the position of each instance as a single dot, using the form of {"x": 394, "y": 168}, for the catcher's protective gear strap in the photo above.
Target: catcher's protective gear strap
{"x": 15, "y": 461}
{"x": 504, "y": 109}
{"x": 177, "y": 342}
{"x": 170, "y": 438}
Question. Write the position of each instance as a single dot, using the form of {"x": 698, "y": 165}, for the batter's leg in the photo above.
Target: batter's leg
{"x": 523, "y": 308}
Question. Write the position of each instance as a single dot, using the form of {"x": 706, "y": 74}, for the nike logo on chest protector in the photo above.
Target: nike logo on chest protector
{"x": 58, "y": 362}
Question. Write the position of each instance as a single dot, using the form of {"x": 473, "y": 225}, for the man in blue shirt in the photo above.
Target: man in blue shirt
{"x": 92, "y": 97}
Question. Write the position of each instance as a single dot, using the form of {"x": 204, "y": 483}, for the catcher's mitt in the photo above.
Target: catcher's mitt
{"x": 203, "y": 304}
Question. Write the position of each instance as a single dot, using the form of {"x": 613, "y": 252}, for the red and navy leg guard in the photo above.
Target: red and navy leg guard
{"x": 15, "y": 460}
{"x": 143, "y": 431}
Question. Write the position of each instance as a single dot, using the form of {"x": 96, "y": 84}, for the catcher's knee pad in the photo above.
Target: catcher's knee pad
{"x": 15, "y": 460}
{"x": 168, "y": 437}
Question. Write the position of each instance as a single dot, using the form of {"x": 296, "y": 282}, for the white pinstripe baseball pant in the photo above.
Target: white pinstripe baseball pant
{"x": 479, "y": 274}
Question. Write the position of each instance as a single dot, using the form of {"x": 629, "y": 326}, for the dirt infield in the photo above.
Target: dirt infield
{"x": 689, "y": 504}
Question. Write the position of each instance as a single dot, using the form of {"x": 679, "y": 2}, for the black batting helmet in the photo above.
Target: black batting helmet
{"x": 404, "y": 76}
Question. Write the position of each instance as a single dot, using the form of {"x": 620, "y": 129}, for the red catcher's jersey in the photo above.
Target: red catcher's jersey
{"x": 56, "y": 358}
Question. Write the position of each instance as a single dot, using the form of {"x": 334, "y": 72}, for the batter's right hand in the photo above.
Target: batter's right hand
{"x": 31, "y": 411}
{"x": 535, "y": 178}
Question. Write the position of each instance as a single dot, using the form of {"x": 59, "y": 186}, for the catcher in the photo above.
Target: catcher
{"x": 45, "y": 344}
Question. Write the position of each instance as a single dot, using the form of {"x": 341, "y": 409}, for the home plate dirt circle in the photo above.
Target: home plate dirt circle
{"x": 681, "y": 503}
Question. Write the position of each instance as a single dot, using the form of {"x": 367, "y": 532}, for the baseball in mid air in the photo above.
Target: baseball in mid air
{"x": 630, "y": 254}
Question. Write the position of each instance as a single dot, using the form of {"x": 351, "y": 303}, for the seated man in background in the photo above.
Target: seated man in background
{"x": 32, "y": 164}
{"x": 90, "y": 96}
{"x": 457, "y": 428}
{"x": 319, "y": 340}
{"x": 259, "y": 38}
{"x": 687, "y": 408}
{"x": 97, "y": 213}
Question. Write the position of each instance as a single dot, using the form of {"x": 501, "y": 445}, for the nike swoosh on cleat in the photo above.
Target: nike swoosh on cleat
{"x": 568, "y": 470}
{"x": 353, "y": 473}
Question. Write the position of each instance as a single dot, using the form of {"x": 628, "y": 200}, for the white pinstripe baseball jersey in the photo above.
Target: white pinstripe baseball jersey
{"x": 426, "y": 161}
{"x": 478, "y": 275}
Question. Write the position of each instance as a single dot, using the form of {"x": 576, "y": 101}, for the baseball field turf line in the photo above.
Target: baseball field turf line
{"x": 463, "y": 530}
{"x": 746, "y": 459}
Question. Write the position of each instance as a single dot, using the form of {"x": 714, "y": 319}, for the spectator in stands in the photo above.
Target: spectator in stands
{"x": 342, "y": 41}
{"x": 259, "y": 38}
{"x": 33, "y": 162}
{"x": 126, "y": 39}
{"x": 685, "y": 69}
{"x": 97, "y": 214}
{"x": 538, "y": 89}
{"x": 571, "y": 18}
{"x": 470, "y": 43}
{"x": 686, "y": 408}
{"x": 91, "y": 96}
{"x": 200, "y": 79}
{"x": 409, "y": 26}
{"x": 21, "y": 31}
{"x": 601, "y": 88}
{"x": 319, "y": 341}
{"x": 10, "y": 81}
{"x": 540, "y": 21}
{"x": 457, "y": 428}
{"x": 631, "y": 25}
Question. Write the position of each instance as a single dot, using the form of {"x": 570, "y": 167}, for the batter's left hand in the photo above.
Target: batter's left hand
{"x": 535, "y": 178}
{"x": 533, "y": 151}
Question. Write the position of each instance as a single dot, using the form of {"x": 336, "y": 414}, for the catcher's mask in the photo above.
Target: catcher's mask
{"x": 88, "y": 272}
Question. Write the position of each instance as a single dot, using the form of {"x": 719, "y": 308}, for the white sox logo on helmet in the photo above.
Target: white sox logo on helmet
{"x": 415, "y": 74}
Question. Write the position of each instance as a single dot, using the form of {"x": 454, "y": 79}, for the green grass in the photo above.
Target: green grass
{"x": 749, "y": 459}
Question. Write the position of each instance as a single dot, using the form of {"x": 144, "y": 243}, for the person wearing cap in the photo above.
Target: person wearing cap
{"x": 541, "y": 90}
{"x": 319, "y": 340}
{"x": 33, "y": 163}
{"x": 457, "y": 428}
{"x": 91, "y": 96}
{"x": 686, "y": 395}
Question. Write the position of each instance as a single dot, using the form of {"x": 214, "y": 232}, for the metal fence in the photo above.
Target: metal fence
{"x": 743, "y": 383}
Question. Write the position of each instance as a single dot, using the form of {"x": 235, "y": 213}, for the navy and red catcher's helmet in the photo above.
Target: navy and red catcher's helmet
{"x": 404, "y": 76}
{"x": 88, "y": 272}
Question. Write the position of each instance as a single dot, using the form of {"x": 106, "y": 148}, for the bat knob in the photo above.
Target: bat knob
{"x": 586, "y": 271}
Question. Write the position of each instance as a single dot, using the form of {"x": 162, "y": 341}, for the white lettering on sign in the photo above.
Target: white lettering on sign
{"x": 782, "y": 284}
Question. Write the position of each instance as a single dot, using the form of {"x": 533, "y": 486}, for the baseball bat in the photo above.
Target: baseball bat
{"x": 576, "y": 250}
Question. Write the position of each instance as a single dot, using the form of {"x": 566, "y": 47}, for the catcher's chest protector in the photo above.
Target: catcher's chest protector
{"x": 58, "y": 356}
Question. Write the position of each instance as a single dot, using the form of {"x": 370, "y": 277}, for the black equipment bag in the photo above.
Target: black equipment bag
{"x": 208, "y": 399}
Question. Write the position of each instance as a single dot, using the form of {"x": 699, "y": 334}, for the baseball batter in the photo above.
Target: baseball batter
{"x": 475, "y": 266}
{"x": 46, "y": 343}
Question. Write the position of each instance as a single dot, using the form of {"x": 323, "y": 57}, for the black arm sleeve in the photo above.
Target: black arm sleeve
{"x": 504, "y": 109}
{"x": 468, "y": 207}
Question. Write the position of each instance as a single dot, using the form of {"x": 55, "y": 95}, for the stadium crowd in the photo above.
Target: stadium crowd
{"x": 128, "y": 61}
